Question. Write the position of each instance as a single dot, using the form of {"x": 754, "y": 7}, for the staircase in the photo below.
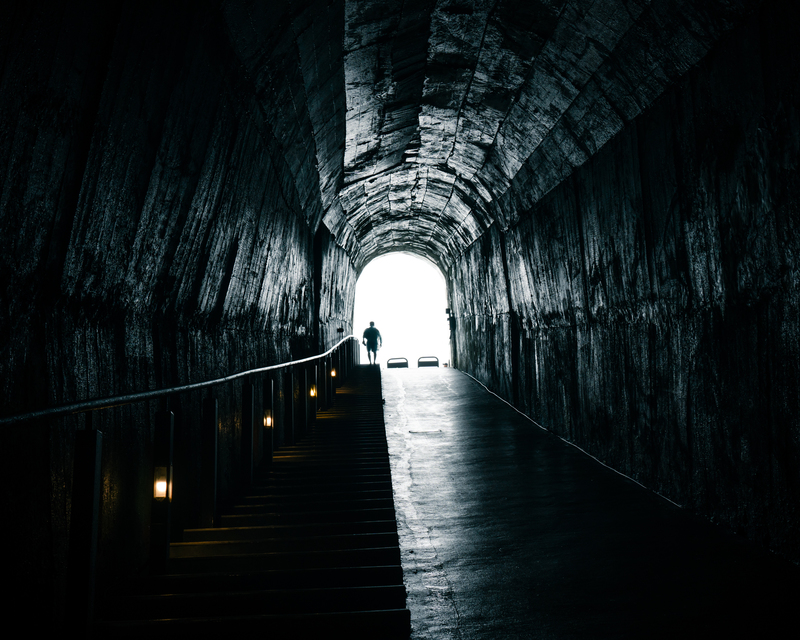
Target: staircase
{"x": 310, "y": 551}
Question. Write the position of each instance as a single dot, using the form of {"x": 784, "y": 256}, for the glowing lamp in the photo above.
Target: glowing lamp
{"x": 161, "y": 485}
{"x": 333, "y": 373}
{"x": 312, "y": 392}
{"x": 268, "y": 419}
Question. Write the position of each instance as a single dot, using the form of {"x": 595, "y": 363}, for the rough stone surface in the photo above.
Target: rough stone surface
{"x": 159, "y": 228}
{"x": 653, "y": 314}
{"x": 464, "y": 113}
{"x": 191, "y": 188}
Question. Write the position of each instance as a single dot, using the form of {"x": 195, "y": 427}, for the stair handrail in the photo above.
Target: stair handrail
{"x": 140, "y": 396}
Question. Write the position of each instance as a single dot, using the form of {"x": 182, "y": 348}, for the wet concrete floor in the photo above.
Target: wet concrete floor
{"x": 508, "y": 532}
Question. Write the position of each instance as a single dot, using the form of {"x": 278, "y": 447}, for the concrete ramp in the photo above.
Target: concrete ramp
{"x": 507, "y": 532}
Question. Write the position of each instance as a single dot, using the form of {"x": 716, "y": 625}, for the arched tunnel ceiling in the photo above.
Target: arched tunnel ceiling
{"x": 433, "y": 119}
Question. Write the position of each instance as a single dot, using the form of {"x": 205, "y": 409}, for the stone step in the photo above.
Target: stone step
{"x": 263, "y": 494}
{"x": 259, "y": 602}
{"x": 306, "y": 517}
{"x": 393, "y": 624}
{"x": 311, "y": 503}
{"x": 282, "y": 544}
{"x": 334, "y": 465}
{"x": 335, "y": 471}
{"x": 299, "y": 531}
{"x": 310, "y": 549}
{"x": 377, "y": 556}
{"x": 293, "y": 578}
{"x": 286, "y": 479}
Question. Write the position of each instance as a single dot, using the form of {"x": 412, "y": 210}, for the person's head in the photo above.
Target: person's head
{"x": 371, "y": 324}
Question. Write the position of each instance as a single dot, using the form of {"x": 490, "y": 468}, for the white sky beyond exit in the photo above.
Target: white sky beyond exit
{"x": 406, "y": 297}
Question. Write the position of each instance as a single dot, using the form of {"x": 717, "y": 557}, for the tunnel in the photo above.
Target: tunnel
{"x": 610, "y": 188}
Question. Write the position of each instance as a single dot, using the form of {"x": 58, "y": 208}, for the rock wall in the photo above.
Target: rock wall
{"x": 337, "y": 290}
{"x": 479, "y": 297}
{"x": 654, "y": 309}
{"x": 155, "y": 231}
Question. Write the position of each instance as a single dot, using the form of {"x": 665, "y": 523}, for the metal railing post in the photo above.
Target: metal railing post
{"x": 269, "y": 419}
{"x": 322, "y": 390}
{"x": 161, "y": 509}
{"x": 248, "y": 419}
{"x": 208, "y": 464}
{"x": 288, "y": 408}
{"x": 314, "y": 399}
{"x": 328, "y": 383}
{"x": 83, "y": 531}
{"x": 258, "y": 433}
{"x": 302, "y": 422}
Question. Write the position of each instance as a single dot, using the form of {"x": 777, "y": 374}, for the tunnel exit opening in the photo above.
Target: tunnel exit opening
{"x": 406, "y": 297}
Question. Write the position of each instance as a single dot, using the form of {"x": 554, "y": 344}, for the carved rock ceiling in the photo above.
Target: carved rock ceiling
{"x": 463, "y": 113}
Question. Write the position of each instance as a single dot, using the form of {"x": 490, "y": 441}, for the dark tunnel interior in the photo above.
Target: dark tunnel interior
{"x": 611, "y": 188}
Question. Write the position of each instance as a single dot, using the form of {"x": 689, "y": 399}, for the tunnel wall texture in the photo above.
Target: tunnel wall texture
{"x": 155, "y": 231}
{"x": 651, "y": 303}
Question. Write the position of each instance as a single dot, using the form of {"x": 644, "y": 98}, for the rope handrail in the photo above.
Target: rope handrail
{"x": 131, "y": 398}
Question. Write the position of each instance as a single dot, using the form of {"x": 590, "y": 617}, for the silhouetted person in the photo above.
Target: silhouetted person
{"x": 372, "y": 338}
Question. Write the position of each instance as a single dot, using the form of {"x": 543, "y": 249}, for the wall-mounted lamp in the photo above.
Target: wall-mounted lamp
{"x": 162, "y": 485}
{"x": 312, "y": 391}
{"x": 333, "y": 373}
{"x": 268, "y": 419}
{"x": 161, "y": 507}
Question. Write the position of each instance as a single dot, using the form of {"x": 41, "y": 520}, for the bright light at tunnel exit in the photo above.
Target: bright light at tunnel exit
{"x": 406, "y": 297}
